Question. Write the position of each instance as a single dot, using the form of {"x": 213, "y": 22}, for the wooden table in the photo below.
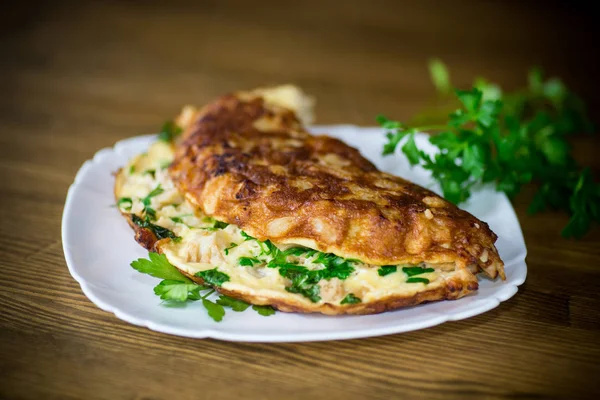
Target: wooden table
{"x": 77, "y": 77}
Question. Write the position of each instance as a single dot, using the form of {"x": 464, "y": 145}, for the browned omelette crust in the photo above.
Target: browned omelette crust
{"x": 255, "y": 166}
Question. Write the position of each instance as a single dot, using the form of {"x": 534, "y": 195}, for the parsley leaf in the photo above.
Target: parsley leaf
{"x": 417, "y": 280}
{"x": 215, "y": 311}
{"x": 246, "y": 236}
{"x": 248, "y": 261}
{"x": 176, "y": 290}
{"x": 303, "y": 285}
{"x": 234, "y": 304}
{"x": 412, "y": 271}
{"x": 213, "y": 277}
{"x": 169, "y": 132}
{"x": 350, "y": 299}
{"x": 125, "y": 203}
{"x": 265, "y": 311}
{"x": 159, "y": 267}
{"x": 155, "y": 192}
{"x": 220, "y": 225}
{"x": 387, "y": 269}
{"x": 231, "y": 246}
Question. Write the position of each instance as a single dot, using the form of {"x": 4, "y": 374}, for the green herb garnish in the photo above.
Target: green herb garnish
{"x": 246, "y": 236}
{"x": 509, "y": 140}
{"x": 417, "y": 280}
{"x": 231, "y": 246}
{"x": 234, "y": 304}
{"x": 248, "y": 261}
{"x": 177, "y": 291}
{"x": 175, "y": 286}
{"x": 350, "y": 299}
{"x": 179, "y": 219}
{"x": 149, "y": 211}
{"x": 220, "y": 225}
{"x": 265, "y": 311}
{"x": 215, "y": 311}
{"x": 131, "y": 169}
{"x": 159, "y": 231}
{"x": 216, "y": 225}
{"x": 304, "y": 282}
{"x": 240, "y": 305}
{"x": 125, "y": 203}
{"x": 169, "y": 132}
{"x": 387, "y": 269}
{"x": 411, "y": 271}
{"x": 159, "y": 267}
{"x": 213, "y": 277}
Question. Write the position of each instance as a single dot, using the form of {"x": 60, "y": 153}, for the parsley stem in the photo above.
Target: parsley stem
{"x": 208, "y": 294}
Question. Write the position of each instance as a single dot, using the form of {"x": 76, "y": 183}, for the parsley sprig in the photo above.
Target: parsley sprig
{"x": 177, "y": 288}
{"x": 508, "y": 140}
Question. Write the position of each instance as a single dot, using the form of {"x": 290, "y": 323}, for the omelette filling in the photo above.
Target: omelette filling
{"x": 199, "y": 244}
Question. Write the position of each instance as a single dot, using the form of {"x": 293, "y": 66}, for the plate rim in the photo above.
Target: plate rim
{"x": 488, "y": 303}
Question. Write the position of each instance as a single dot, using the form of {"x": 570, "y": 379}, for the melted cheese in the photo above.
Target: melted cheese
{"x": 202, "y": 249}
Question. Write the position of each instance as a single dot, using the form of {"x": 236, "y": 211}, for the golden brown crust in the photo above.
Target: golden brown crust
{"x": 251, "y": 164}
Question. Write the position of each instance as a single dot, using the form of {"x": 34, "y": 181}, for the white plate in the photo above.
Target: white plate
{"x": 99, "y": 247}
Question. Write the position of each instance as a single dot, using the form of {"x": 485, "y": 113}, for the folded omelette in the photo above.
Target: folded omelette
{"x": 242, "y": 191}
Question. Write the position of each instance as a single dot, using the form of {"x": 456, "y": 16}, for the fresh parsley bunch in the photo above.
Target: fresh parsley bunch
{"x": 508, "y": 140}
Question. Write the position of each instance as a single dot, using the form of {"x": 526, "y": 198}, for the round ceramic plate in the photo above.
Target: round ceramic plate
{"x": 99, "y": 247}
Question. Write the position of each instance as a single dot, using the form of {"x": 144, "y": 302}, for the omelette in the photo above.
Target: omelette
{"x": 300, "y": 222}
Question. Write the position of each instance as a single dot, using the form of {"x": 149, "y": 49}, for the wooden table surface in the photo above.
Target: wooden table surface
{"x": 79, "y": 76}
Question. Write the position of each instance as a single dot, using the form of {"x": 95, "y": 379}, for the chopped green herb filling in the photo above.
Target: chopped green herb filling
{"x": 387, "y": 269}
{"x": 159, "y": 231}
{"x": 412, "y": 271}
{"x": 350, "y": 299}
{"x": 417, "y": 280}
{"x": 125, "y": 203}
{"x": 248, "y": 261}
{"x": 231, "y": 246}
{"x": 213, "y": 277}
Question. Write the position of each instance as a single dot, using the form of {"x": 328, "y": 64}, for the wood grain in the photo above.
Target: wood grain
{"x": 78, "y": 76}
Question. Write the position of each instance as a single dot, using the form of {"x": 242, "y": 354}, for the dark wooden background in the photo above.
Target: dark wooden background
{"x": 78, "y": 76}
